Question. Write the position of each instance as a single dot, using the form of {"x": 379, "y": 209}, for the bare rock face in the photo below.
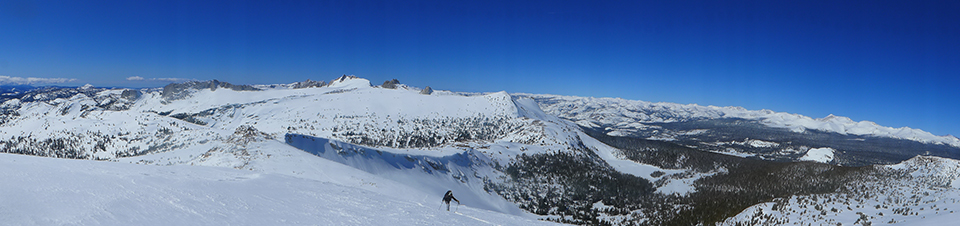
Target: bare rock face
{"x": 426, "y": 91}
{"x": 247, "y": 133}
{"x": 390, "y": 84}
{"x": 130, "y": 94}
{"x": 175, "y": 91}
{"x": 309, "y": 84}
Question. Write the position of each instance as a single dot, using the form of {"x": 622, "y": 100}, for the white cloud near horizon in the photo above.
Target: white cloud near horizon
{"x": 171, "y": 79}
{"x": 134, "y": 78}
{"x": 7, "y": 80}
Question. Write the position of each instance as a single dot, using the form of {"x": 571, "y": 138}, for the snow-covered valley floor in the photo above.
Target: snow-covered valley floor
{"x": 48, "y": 191}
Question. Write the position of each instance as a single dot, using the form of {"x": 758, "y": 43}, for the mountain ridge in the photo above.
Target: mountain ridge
{"x": 792, "y": 121}
{"x": 682, "y": 112}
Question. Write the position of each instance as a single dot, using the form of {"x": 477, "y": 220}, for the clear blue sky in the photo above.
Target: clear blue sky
{"x": 893, "y": 62}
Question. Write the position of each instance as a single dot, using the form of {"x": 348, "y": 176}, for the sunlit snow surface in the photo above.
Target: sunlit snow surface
{"x": 47, "y": 191}
{"x": 824, "y": 155}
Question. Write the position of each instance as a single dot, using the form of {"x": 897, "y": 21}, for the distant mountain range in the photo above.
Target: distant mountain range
{"x": 760, "y": 134}
{"x": 566, "y": 159}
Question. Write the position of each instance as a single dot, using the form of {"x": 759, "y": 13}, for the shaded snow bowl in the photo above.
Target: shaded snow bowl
{"x": 377, "y": 161}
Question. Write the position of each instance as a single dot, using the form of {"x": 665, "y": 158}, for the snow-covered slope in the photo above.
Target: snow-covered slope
{"x": 824, "y": 155}
{"x": 47, "y": 191}
{"x": 921, "y": 191}
{"x": 625, "y": 116}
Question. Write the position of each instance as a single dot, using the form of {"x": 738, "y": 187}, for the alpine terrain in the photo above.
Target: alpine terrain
{"x": 347, "y": 152}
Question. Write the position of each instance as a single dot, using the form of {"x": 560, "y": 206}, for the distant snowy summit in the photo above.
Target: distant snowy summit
{"x": 844, "y": 125}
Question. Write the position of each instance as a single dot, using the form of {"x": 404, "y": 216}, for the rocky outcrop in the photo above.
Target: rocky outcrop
{"x": 308, "y": 84}
{"x": 426, "y": 91}
{"x": 343, "y": 78}
{"x": 175, "y": 91}
{"x": 130, "y": 94}
{"x": 390, "y": 84}
{"x": 247, "y": 133}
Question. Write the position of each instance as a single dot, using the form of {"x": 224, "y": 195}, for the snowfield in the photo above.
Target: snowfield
{"x": 47, "y": 191}
{"x": 824, "y": 155}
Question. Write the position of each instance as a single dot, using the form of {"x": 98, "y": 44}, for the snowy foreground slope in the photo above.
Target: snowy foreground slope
{"x": 46, "y": 191}
{"x": 397, "y": 149}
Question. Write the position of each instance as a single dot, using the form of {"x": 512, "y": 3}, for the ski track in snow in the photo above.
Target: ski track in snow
{"x": 478, "y": 219}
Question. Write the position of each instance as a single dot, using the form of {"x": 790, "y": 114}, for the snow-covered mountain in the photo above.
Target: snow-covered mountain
{"x": 509, "y": 158}
{"x": 761, "y": 134}
{"x": 626, "y": 116}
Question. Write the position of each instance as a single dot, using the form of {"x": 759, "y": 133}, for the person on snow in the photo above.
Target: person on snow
{"x": 447, "y": 197}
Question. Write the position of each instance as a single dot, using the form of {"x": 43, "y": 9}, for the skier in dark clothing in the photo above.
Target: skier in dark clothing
{"x": 447, "y": 197}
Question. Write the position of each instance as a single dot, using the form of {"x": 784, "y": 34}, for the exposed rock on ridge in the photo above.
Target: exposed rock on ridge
{"x": 175, "y": 91}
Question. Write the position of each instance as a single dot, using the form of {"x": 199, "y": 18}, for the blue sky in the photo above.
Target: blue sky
{"x": 896, "y": 63}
